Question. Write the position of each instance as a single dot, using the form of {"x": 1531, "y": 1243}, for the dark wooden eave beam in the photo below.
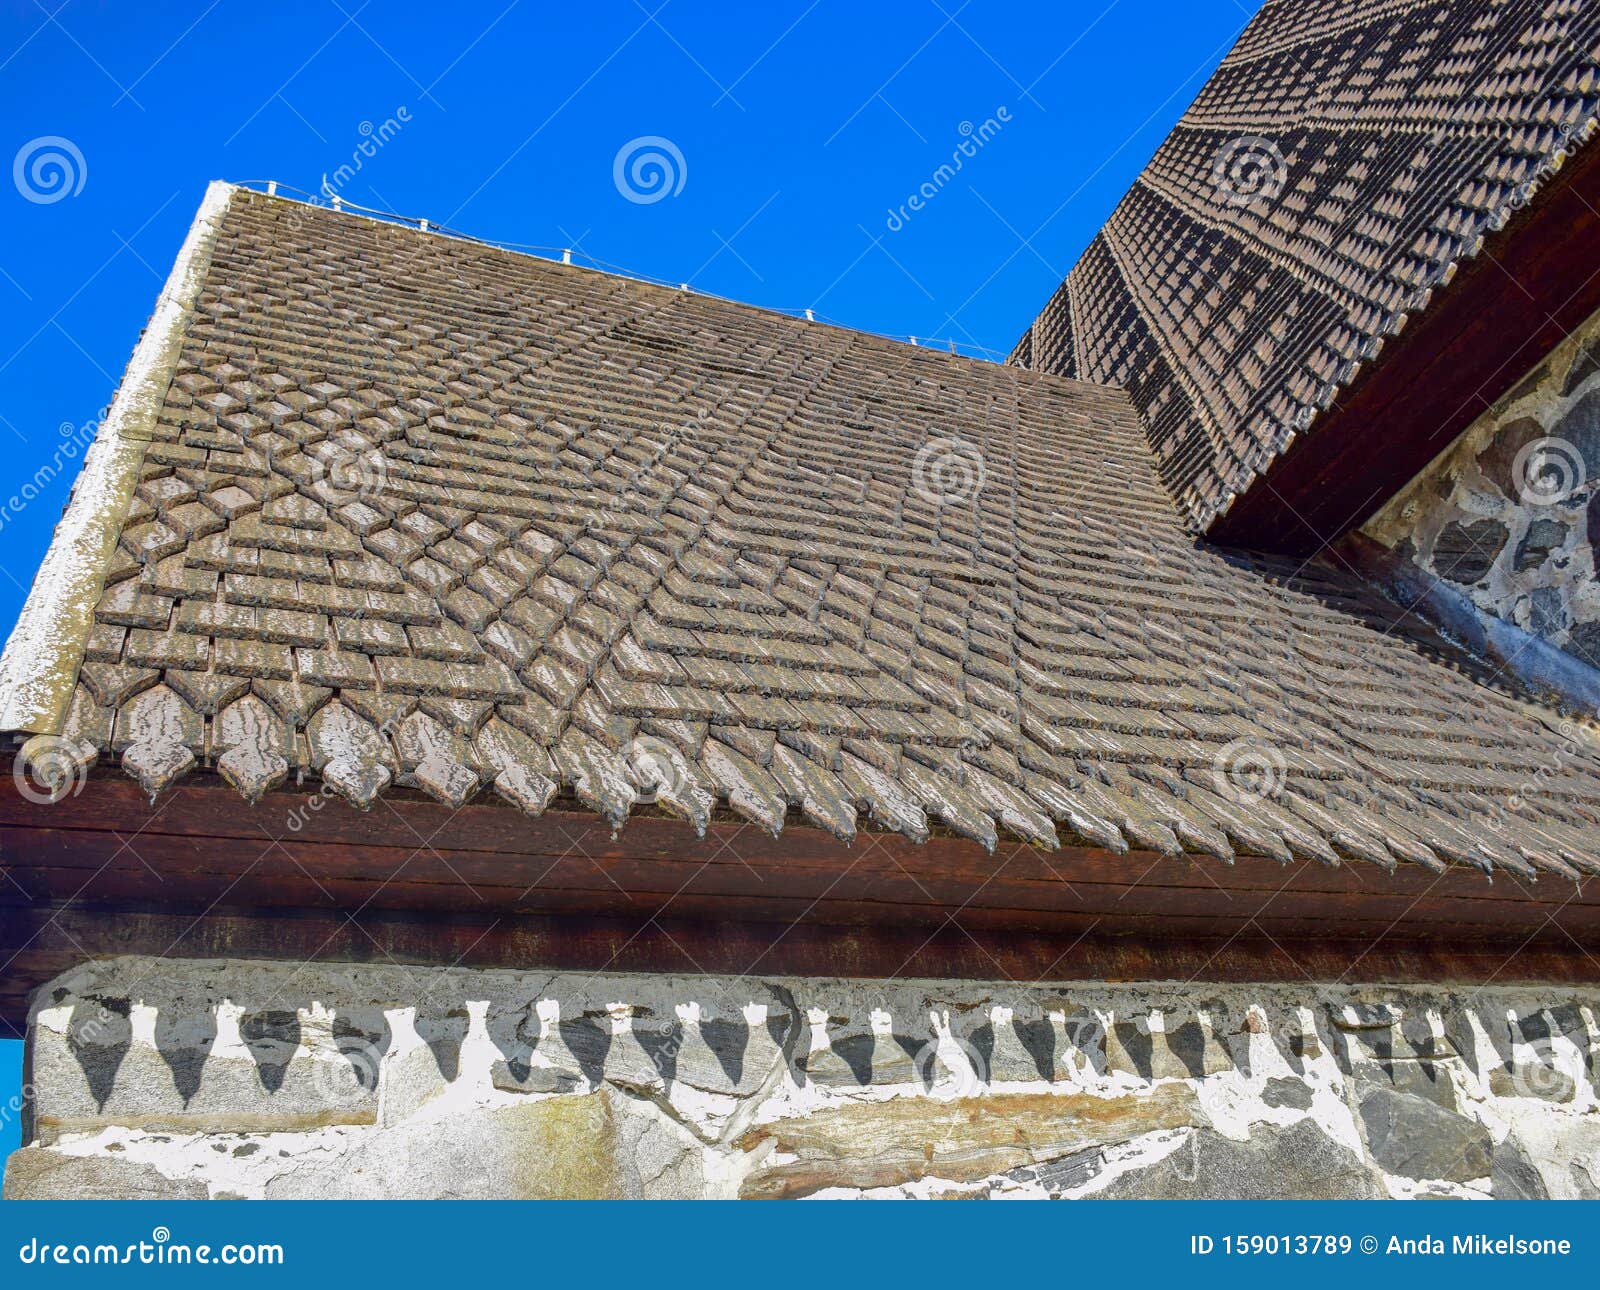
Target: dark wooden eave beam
{"x": 202, "y": 873}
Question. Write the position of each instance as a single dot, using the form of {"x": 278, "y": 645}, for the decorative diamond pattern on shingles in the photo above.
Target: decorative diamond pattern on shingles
{"x": 1408, "y": 130}
{"x": 594, "y": 515}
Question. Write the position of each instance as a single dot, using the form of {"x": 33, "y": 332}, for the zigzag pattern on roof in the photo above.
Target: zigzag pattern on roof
{"x": 422, "y": 513}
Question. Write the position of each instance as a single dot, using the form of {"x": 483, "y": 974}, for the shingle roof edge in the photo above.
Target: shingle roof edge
{"x": 1202, "y": 516}
{"x": 40, "y": 665}
{"x": 1576, "y": 137}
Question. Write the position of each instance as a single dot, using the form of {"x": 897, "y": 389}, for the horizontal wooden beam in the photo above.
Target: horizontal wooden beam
{"x": 1018, "y": 887}
{"x": 203, "y": 873}
{"x": 43, "y": 941}
{"x": 223, "y": 824}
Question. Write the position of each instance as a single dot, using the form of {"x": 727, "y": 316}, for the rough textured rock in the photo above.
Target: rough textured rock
{"x": 39, "y": 1173}
{"x": 1584, "y": 365}
{"x": 1178, "y": 1049}
{"x": 1466, "y": 552}
{"x": 558, "y": 1148}
{"x": 1583, "y": 641}
{"x": 1056, "y": 1177}
{"x": 880, "y": 1144}
{"x": 1579, "y": 425}
{"x": 1523, "y": 474}
{"x": 1299, "y": 1162}
{"x": 1512, "y": 1175}
{"x": 262, "y": 1079}
{"x": 1286, "y": 1092}
{"x": 1496, "y": 459}
{"x": 1533, "y": 1079}
{"x": 251, "y": 1079}
{"x": 1541, "y": 538}
{"x": 1415, "y": 1138}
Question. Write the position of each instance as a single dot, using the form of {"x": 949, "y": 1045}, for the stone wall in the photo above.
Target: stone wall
{"x": 1509, "y": 514}
{"x": 159, "y": 1078}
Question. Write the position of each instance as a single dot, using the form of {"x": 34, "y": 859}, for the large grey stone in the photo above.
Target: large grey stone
{"x": 1513, "y": 1176}
{"x": 1533, "y": 1078}
{"x": 585, "y": 1146}
{"x": 1499, "y": 458}
{"x": 1464, "y": 553}
{"x": 1403, "y": 1055}
{"x": 1564, "y": 1150}
{"x": 1541, "y": 537}
{"x": 42, "y": 1173}
{"x": 1580, "y": 427}
{"x": 1291, "y": 1093}
{"x": 1583, "y": 641}
{"x": 1066, "y": 1174}
{"x": 1584, "y": 365}
{"x": 1416, "y": 1138}
{"x": 1543, "y": 612}
{"x": 886, "y": 1144}
{"x": 1296, "y": 1163}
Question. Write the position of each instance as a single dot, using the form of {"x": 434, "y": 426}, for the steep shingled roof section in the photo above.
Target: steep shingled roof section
{"x": 422, "y": 512}
{"x": 1333, "y": 172}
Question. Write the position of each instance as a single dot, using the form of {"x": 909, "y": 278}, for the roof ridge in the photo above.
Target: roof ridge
{"x": 606, "y": 268}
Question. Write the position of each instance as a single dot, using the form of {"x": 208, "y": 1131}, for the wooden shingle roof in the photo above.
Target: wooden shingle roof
{"x": 417, "y": 512}
{"x": 1342, "y": 163}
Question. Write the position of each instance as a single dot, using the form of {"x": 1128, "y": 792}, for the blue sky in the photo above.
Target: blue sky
{"x": 796, "y": 133}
